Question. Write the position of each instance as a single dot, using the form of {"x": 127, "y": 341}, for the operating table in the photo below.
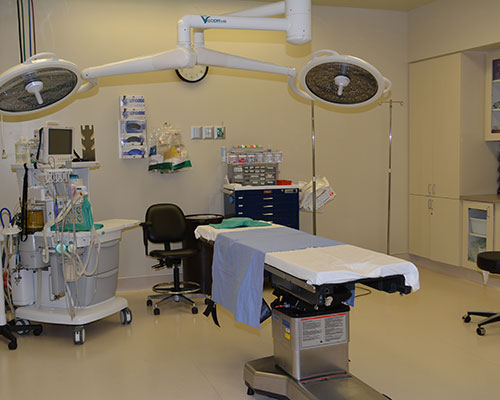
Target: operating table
{"x": 310, "y": 317}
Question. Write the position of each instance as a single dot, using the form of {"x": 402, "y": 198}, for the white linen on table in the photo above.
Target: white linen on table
{"x": 335, "y": 264}
{"x": 209, "y": 233}
{"x": 342, "y": 263}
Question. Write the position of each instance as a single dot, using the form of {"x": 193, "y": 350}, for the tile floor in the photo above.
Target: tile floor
{"x": 409, "y": 347}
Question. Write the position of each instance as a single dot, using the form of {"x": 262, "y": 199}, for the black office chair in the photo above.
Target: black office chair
{"x": 165, "y": 223}
{"x": 487, "y": 261}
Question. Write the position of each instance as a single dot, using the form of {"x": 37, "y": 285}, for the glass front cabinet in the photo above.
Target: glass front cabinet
{"x": 478, "y": 231}
{"x": 492, "y": 89}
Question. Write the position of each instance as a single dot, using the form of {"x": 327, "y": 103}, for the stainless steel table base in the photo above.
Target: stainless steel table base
{"x": 263, "y": 377}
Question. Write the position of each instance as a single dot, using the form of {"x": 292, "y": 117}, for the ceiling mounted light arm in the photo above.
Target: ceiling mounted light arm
{"x": 218, "y": 59}
{"x": 180, "y": 57}
{"x": 296, "y": 24}
{"x": 268, "y": 10}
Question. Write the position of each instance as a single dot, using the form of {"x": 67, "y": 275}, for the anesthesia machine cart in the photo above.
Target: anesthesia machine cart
{"x": 68, "y": 267}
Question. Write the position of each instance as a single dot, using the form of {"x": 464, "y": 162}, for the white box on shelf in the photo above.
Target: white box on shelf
{"x": 478, "y": 226}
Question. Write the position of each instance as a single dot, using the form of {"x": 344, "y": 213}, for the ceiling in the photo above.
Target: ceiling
{"x": 398, "y": 5}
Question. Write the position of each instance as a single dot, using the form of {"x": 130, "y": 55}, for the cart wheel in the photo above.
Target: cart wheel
{"x": 156, "y": 311}
{"x": 250, "y": 391}
{"x": 466, "y": 318}
{"x": 22, "y": 322}
{"x": 37, "y": 331}
{"x": 149, "y": 303}
{"x": 480, "y": 331}
{"x": 79, "y": 335}
{"x": 194, "y": 310}
{"x": 126, "y": 316}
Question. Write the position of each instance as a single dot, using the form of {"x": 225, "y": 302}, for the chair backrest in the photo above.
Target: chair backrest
{"x": 165, "y": 223}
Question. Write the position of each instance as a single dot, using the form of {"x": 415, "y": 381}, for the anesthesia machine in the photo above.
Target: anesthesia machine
{"x": 66, "y": 267}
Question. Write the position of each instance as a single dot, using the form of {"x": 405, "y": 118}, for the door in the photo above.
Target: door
{"x": 445, "y": 230}
{"x": 446, "y": 126}
{"x": 478, "y": 231}
{"x": 421, "y": 106}
{"x": 419, "y": 225}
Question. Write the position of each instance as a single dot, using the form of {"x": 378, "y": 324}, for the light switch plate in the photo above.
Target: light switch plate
{"x": 208, "y": 132}
{"x": 196, "y": 132}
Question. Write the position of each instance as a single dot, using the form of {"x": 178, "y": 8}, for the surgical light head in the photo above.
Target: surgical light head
{"x": 342, "y": 80}
{"x": 41, "y": 81}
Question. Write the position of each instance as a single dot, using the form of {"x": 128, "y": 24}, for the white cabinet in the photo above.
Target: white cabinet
{"x": 492, "y": 90}
{"x": 435, "y": 232}
{"x": 478, "y": 228}
{"x": 435, "y": 126}
{"x": 448, "y": 154}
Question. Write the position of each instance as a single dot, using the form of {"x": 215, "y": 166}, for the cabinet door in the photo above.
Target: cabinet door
{"x": 435, "y": 126}
{"x": 492, "y": 91}
{"x": 445, "y": 231}
{"x": 419, "y": 225}
{"x": 446, "y": 81}
{"x": 478, "y": 231}
{"x": 421, "y": 106}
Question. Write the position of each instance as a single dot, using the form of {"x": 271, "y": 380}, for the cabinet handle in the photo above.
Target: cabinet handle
{"x": 434, "y": 188}
{"x": 429, "y": 188}
{"x": 268, "y": 206}
{"x": 429, "y": 204}
{"x": 267, "y": 214}
{"x": 267, "y": 198}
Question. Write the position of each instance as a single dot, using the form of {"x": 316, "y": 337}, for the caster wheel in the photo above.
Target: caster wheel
{"x": 480, "y": 331}
{"x": 22, "y": 322}
{"x": 37, "y": 331}
{"x": 207, "y": 300}
{"x": 149, "y": 303}
{"x": 466, "y": 318}
{"x": 194, "y": 310}
{"x": 156, "y": 311}
{"x": 13, "y": 345}
{"x": 250, "y": 391}
{"x": 126, "y": 316}
{"x": 79, "y": 336}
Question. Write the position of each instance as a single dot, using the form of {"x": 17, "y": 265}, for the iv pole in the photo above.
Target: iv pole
{"x": 313, "y": 136}
{"x": 391, "y": 102}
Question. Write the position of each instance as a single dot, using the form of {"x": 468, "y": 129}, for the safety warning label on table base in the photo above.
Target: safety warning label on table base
{"x": 323, "y": 330}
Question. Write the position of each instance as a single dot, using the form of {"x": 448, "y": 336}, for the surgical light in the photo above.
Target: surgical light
{"x": 44, "y": 80}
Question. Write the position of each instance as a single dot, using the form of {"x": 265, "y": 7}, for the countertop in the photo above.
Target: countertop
{"x": 484, "y": 198}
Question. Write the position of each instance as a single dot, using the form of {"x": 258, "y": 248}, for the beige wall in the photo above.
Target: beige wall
{"x": 449, "y": 26}
{"x": 352, "y": 148}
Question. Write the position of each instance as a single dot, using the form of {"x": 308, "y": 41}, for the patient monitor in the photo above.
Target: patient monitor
{"x": 56, "y": 142}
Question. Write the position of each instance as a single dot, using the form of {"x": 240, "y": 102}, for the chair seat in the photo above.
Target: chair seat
{"x": 489, "y": 261}
{"x": 173, "y": 254}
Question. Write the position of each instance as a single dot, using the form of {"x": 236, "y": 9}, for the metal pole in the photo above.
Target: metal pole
{"x": 390, "y": 174}
{"x": 389, "y": 185}
{"x": 313, "y": 167}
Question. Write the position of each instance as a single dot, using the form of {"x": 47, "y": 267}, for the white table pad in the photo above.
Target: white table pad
{"x": 334, "y": 264}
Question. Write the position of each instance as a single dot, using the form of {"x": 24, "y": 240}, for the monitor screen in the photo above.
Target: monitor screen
{"x": 60, "y": 141}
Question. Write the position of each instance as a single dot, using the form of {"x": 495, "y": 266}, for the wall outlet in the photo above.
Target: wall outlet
{"x": 196, "y": 132}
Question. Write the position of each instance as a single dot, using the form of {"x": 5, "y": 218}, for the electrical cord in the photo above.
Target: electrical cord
{"x": 21, "y": 60}
{"x": 33, "y": 21}
{"x": 24, "y": 39}
{"x": 29, "y": 25}
{"x": 4, "y": 153}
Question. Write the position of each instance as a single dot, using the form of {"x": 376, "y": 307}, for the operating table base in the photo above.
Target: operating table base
{"x": 263, "y": 377}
